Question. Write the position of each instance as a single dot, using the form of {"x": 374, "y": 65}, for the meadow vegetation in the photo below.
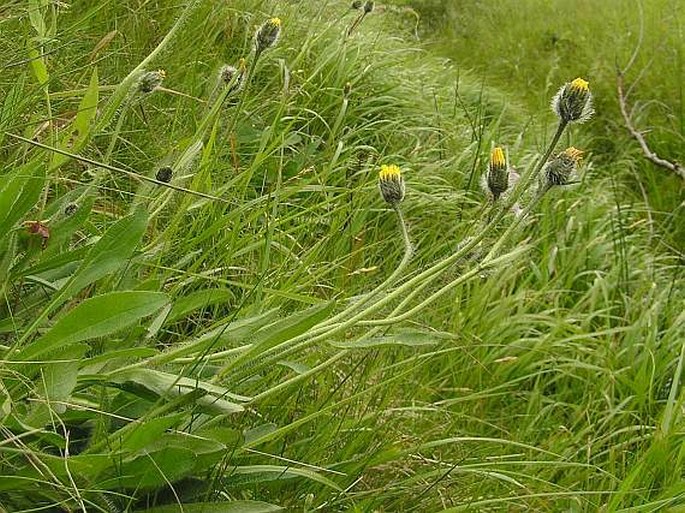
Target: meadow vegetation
{"x": 208, "y": 306}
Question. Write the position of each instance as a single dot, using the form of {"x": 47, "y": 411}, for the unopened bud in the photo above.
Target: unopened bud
{"x": 267, "y": 35}
{"x": 573, "y": 102}
{"x": 391, "y": 184}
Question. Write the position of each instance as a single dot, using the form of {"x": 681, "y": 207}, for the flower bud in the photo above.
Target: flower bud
{"x": 164, "y": 174}
{"x": 267, "y": 35}
{"x": 391, "y": 184}
{"x": 70, "y": 209}
{"x": 150, "y": 81}
{"x": 497, "y": 178}
{"x": 235, "y": 77}
{"x": 561, "y": 167}
{"x": 573, "y": 102}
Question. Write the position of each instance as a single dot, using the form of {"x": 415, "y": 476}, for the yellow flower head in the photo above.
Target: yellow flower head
{"x": 574, "y": 154}
{"x": 389, "y": 172}
{"x": 562, "y": 167}
{"x": 496, "y": 181}
{"x": 276, "y": 22}
{"x": 497, "y": 159}
{"x": 391, "y": 184}
{"x": 579, "y": 85}
{"x": 242, "y": 64}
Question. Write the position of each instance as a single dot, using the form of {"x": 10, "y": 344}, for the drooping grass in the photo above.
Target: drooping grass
{"x": 548, "y": 382}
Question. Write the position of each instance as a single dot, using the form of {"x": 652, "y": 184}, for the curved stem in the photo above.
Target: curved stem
{"x": 328, "y": 329}
{"x": 485, "y": 264}
{"x": 513, "y": 226}
{"x": 406, "y": 258}
{"x": 322, "y": 329}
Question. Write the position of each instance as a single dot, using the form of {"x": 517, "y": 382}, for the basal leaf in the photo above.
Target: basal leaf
{"x": 94, "y": 318}
{"x": 111, "y": 252}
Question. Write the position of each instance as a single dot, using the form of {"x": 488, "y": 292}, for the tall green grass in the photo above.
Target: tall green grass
{"x": 174, "y": 345}
{"x": 527, "y": 48}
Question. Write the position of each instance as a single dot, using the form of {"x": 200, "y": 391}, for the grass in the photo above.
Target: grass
{"x": 243, "y": 335}
{"x": 540, "y": 44}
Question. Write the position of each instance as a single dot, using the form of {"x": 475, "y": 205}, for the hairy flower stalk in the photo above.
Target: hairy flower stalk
{"x": 392, "y": 189}
{"x": 147, "y": 83}
{"x": 367, "y": 8}
{"x": 266, "y": 37}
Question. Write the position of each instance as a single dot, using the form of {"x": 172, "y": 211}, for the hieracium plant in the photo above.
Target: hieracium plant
{"x": 572, "y": 104}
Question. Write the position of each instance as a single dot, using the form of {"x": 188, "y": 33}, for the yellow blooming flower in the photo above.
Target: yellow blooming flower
{"x": 574, "y": 154}
{"x": 497, "y": 159}
{"x": 580, "y": 85}
{"x": 389, "y": 172}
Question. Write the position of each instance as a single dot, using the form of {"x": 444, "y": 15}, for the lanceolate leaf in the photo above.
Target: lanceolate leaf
{"x": 111, "y": 252}
{"x": 168, "y": 385}
{"x": 409, "y": 338}
{"x": 79, "y": 133}
{"x": 274, "y": 472}
{"x": 218, "y": 507}
{"x": 96, "y": 317}
{"x": 19, "y": 192}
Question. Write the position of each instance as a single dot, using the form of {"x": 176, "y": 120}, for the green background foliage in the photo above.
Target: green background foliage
{"x": 243, "y": 339}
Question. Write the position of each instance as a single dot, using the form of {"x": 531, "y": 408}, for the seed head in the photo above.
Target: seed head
{"x": 368, "y": 6}
{"x": 357, "y": 4}
{"x": 497, "y": 178}
{"x": 562, "y": 166}
{"x": 150, "y": 81}
{"x": 391, "y": 184}
{"x": 573, "y": 102}
{"x": 267, "y": 35}
{"x": 164, "y": 174}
